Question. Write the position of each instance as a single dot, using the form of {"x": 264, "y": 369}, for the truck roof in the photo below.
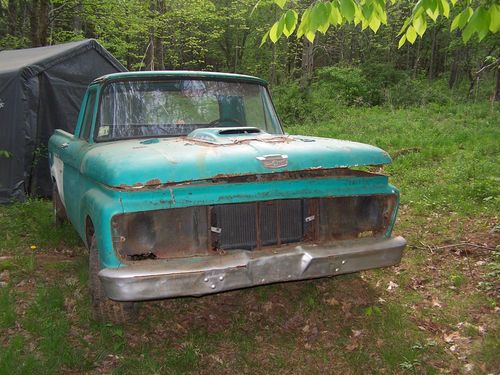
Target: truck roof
{"x": 180, "y": 74}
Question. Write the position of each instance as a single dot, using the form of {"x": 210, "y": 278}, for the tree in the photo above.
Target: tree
{"x": 470, "y": 17}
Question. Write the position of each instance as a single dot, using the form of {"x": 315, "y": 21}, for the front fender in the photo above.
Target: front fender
{"x": 101, "y": 205}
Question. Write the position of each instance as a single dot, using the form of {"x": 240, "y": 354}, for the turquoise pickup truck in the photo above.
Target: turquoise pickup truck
{"x": 185, "y": 184}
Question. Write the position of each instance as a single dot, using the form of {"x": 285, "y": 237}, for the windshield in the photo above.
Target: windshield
{"x": 170, "y": 108}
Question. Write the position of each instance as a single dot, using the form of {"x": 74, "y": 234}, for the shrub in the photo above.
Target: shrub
{"x": 415, "y": 92}
{"x": 290, "y": 102}
{"x": 345, "y": 85}
{"x": 335, "y": 87}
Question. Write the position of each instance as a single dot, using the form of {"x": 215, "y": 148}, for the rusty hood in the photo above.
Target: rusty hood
{"x": 206, "y": 154}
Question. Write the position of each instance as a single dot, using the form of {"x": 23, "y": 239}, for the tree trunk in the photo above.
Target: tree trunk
{"x": 408, "y": 56}
{"x": 150, "y": 53}
{"x": 77, "y": 18}
{"x": 12, "y": 13}
{"x": 454, "y": 69}
{"x": 39, "y": 22}
{"x": 417, "y": 58}
{"x": 352, "y": 47}
{"x": 307, "y": 62}
{"x": 432, "y": 61}
{"x": 3, "y": 15}
{"x": 226, "y": 49}
{"x": 43, "y": 22}
{"x": 496, "y": 97}
{"x": 240, "y": 50}
{"x": 34, "y": 24}
{"x": 273, "y": 64}
{"x": 159, "y": 52}
{"x": 291, "y": 57}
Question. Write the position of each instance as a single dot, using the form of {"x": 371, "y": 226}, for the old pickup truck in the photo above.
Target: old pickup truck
{"x": 185, "y": 184}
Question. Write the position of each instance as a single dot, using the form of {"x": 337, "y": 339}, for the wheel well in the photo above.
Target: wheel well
{"x": 89, "y": 230}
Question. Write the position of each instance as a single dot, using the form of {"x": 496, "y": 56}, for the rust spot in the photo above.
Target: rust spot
{"x": 316, "y": 172}
{"x": 153, "y": 182}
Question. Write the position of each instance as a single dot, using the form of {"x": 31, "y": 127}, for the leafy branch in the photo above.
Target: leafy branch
{"x": 5, "y": 154}
{"x": 321, "y": 15}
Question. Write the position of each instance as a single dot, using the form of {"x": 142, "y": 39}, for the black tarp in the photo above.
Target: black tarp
{"x": 41, "y": 89}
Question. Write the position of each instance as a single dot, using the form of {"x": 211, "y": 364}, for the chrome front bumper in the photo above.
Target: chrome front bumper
{"x": 156, "y": 279}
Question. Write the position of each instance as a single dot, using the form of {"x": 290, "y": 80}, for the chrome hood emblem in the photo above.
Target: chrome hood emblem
{"x": 273, "y": 161}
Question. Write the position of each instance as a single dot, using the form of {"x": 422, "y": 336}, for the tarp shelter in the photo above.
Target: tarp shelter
{"x": 41, "y": 89}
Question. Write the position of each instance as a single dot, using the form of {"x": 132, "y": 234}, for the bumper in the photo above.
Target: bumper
{"x": 158, "y": 279}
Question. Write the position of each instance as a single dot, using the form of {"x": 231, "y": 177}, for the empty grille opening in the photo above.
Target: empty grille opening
{"x": 351, "y": 217}
{"x": 205, "y": 230}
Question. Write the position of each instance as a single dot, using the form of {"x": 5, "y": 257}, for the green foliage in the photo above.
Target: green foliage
{"x": 13, "y": 42}
{"x": 417, "y": 92}
{"x": 370, "y": 85}
{"x": 331, "y": 87}
{"x": 224, "y": 35}
{"x": 5, "y": 154}
{"x": 457, "y": 279}
{"x": 345, "y": 85}
{"x": 320, "y": 15}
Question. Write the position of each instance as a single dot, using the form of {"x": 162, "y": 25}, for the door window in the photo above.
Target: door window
{"x": 87, "y": 116}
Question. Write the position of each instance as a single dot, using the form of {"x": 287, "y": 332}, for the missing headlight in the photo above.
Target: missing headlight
{"x": 171, "y": 233}
{"x": 141, "y": 233}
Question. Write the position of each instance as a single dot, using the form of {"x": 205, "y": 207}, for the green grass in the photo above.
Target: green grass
{"x": 446, "y": 166}
{"x": 32, "y": 224}
{"x": 446, "y": 158}
{"x": 7, "y": 308}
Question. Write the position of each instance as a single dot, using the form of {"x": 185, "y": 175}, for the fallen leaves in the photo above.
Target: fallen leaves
{"x": 346, "y": 309}
{"x": 355, "y": 339}
{"x": 332, "y": 302}
{"x": 451, "y": 337}
{"x": 436, "y": 303}
{"x": 392, "y": 285}
{"x": 352, "y": 346}
{"x": 268, "y": 306}
{"x": 357, "y": 333}
{"x": 4, "y": 278}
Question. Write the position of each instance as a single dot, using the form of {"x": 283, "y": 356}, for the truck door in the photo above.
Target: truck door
{"x": 70, "y": 182}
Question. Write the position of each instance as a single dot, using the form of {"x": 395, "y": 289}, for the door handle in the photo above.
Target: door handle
{"x": 64, "y": 145}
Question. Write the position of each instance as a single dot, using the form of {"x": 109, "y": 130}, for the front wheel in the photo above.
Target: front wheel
{"x": 104, "y": 309}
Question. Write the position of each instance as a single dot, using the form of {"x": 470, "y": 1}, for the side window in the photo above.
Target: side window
{"x": 87, "y": 116}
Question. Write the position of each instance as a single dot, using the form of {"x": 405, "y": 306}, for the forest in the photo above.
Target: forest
{"x": 226, "y": 35}
{"x": 430, "y": 99}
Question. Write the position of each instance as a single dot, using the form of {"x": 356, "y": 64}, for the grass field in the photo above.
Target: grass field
{"x": 437, "y": 312}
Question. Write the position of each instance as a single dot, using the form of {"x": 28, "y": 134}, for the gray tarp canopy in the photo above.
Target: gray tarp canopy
{"x": 41, "y": 89}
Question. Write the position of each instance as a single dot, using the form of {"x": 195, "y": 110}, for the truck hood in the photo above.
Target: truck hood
{"x": 205, "y": 154}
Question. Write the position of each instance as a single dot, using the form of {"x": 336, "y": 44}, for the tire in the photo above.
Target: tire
{"x": 59, "y": 209}
{"x": 105, "y": 310}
